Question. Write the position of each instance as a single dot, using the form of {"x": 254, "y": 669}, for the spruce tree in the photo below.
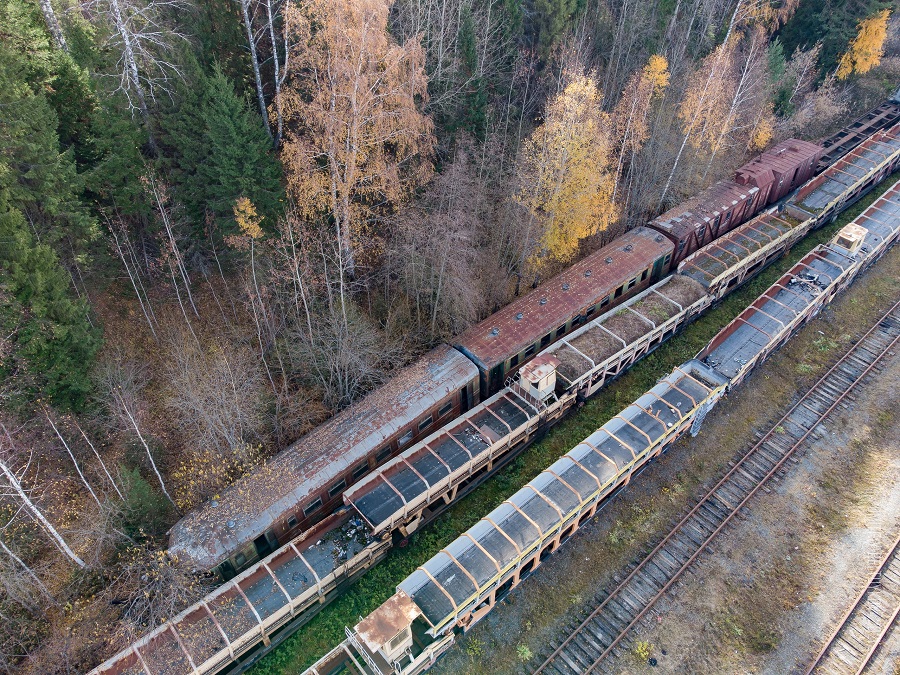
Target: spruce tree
{"x": 39, "y": 208}
{"x": 222, "y": 153}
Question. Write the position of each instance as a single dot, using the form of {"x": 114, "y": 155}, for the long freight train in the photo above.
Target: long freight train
{"x": 462, "y": 583}
{"x": 435, "y": 430}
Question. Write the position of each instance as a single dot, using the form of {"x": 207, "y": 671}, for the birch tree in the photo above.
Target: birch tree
{"x": 53, "y": 24}
{"x": 433, "y": 250}
{"x": 121, "y": 382}
{"x": 563, "y": 171}
{"x": 748, "y": 115}
{"x": 631, "y": 114}
{"x": 356, "y": 140}
{"x": 696, "y": 103}
{"x": 144, "y": 43}
{"x": 13, "y": 487}
{"x": 250, "y": 32}
{"x": 72, "y": 457}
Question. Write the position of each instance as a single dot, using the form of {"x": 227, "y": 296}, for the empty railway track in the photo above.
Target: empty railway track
{"x": 856, "y": 639}
{"x": 607, "y": 629}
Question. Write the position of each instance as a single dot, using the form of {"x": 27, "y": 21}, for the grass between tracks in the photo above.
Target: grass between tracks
{"x": 327, "y": 629}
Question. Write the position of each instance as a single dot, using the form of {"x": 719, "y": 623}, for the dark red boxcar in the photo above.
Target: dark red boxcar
{"x": 717, "y": 210}
{"x": 781, "y": 169}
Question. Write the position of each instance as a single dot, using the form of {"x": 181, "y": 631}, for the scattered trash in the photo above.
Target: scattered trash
{"x": 652, "y": 661}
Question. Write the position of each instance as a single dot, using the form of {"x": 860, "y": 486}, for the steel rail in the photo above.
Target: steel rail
{"x": 710, "y": 494}
{"x": 857, "y": 604}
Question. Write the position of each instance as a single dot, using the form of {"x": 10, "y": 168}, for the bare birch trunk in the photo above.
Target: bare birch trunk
{"x": 102, "y": 464}
{"x": 690, "y": 130}
{"x": 72, "y": 457}
{"x": 149, "y": 454}
{"x": 279, "y": 77}
{"x": 14, "y": 483}
{"x": 254, "y": 58}
{"x": 176, "y": 252}
{"x": 131, "y": 70}
{"x": 28, "y": 571}
{"x": 131, "y": 277}
{"x": 53, "y": 25}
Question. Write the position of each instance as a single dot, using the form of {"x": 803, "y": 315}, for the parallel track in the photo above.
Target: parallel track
{"x": 853, "y": 643}
{"x": 599, "y": 635}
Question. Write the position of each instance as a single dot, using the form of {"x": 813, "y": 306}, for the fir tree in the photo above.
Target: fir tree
{"x": 54, "y": 339}
{"x": 39, "y": 180}
{"x": 222, "y": 153}
{"x": 39, "y": 208}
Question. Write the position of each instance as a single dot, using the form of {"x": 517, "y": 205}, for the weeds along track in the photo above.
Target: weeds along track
{"x": 856, "y": 639}
{"x": 607, "y": 629}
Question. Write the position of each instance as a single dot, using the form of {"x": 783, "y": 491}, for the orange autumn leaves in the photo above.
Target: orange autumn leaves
{"x": 357, "y": 140}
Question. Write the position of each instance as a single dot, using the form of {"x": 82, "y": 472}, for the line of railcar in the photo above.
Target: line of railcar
{"x": 462, "y": 583}
{"x": 422, "y": 441}
{"x": 303, "y": 485}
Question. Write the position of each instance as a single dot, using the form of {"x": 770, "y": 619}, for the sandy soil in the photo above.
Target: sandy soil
{"x": 726, "y": 628}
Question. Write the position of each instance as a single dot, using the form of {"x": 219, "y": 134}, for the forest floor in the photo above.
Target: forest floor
{"x": 751, "y": 604}
{"x": 627, "y": 523}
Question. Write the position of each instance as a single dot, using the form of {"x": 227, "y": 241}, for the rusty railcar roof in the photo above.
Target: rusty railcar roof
{"x": 780, "y": 159}
{"x": 683, "y": 219}
{"x": 526, "y": 320}
{"x": 246, "y": 509}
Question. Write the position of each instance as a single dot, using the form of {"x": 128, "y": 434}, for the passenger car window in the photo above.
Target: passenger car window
{"x": 312, "y": 508}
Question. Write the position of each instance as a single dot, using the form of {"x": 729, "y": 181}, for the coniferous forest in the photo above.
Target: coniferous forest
{"x": 221, "y": 221}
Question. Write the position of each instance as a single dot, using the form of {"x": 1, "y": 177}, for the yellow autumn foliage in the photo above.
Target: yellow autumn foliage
{"x": 247, "y": 218}
{"x": 206, "y": 472}
{"x": 867, "y": 48}
{"x": 656, "y": 73}
{"x": 564, "y": 171}
{"x": 764, "y": 131}
{"x": 704, "y": 107}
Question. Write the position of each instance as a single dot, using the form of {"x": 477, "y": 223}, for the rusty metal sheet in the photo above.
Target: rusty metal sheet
{"x": 245, "y": 510}
{"x": 564, "y": 296}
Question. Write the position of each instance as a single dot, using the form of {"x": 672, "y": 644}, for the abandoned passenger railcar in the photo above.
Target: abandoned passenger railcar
{"x": 502, "y": 343}
{"x": 303, "y": 484}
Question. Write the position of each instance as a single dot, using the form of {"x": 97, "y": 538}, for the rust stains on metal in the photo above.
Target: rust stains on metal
{"x": 382, "y": 625}
{"x": 245, "y": 510}
{"x": 554, "y": 302}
